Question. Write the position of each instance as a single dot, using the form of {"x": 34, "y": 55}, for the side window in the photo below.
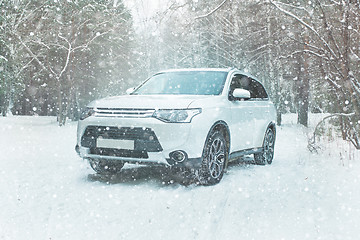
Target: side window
{"x": 257, "y": 90}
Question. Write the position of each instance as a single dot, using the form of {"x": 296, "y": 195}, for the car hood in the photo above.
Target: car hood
{"x": 147, "y": 101}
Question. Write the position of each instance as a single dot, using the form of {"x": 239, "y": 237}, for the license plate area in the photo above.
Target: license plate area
{"x": 115, "y": 143}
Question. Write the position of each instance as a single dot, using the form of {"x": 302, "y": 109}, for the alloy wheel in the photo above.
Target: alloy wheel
{"x": 216, "y": 158}
{"x": 269, "y": 143}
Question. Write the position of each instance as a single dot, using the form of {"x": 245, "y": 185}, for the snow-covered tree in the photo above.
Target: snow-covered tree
{"x": 67, "y": 53}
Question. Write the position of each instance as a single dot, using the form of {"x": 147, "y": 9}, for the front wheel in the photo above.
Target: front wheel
{"x": 214, "y": 159}
{"x": 267, "y": 154}
{"x": 106, "y": 167}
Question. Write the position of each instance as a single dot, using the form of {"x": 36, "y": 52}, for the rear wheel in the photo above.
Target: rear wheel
{"x": 106, "y": 167}
{"x": 267, "y": 154}
{"x": 214, "y": 158}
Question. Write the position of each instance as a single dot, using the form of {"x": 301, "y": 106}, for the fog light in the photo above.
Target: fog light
{"x": 178, "y": 156}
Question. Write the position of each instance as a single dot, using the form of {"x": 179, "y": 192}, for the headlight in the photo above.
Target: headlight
{"x": 87, "y": 113}
{"x": 176, "y": 115}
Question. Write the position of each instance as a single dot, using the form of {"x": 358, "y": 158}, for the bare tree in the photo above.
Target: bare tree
{"x": 334, "y": 34}
{"x": 56, "y": 43}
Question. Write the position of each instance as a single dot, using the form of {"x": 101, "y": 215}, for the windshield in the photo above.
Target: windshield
{"x": 185, "y": 82}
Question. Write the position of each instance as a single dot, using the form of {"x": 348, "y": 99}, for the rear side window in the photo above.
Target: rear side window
{"x": 257, "y": 90}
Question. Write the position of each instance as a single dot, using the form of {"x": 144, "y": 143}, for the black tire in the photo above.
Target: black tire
{"x": 267, "y": 154}
{"x": 214, "y": 158}
{"x": 106, "y": 167}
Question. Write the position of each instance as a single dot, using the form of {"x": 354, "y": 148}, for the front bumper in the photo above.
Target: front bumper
{"x": 154, "y": 159}
{"x": 154, "y": 140}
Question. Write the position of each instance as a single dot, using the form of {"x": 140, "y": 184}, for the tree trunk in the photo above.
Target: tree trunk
{"x": 61, "y": 116}
{"x": 303, "y": 86}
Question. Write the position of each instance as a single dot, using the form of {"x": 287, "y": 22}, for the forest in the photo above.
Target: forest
{"x": 56, "y": 56}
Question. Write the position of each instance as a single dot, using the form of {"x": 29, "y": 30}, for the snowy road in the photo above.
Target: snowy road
{"x": 48, "y": 192}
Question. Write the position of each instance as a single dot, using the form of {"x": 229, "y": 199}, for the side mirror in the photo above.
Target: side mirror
{"x": 130, "y": 90}
{"x": 241, "y": 93}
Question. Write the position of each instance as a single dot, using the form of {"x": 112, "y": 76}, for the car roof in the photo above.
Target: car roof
{"x": 229, "y": 69}
{"x": 197, "y": 69}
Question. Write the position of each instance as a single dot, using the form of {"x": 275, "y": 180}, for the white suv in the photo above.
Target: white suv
{"x": 194, "y": 120}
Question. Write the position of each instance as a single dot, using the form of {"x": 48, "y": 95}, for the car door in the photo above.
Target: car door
{"x": 242, "y": 123}
{"x": 260, "y": 111}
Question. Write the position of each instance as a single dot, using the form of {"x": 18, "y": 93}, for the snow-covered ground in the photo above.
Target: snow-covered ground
{"x": 48, "y": 192}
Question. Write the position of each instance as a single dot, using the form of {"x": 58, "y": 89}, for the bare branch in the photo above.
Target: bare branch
{"x": 41, "y": 43}
{"x": 67, "y": 56}
{"x": 91, "y": 40}
{"x": 24, "y": 67}
{"x": 307, "y": 44}
{"x": 24, "y": 18}
{"x": 355, "y": 55}
{"x": 312, "y": 140}
{"x": 33, "y": 55}
{"x": 302, "y": 22}
{"x": 261, "y": 47}
{"x": 4, "y": 58}
{"x": 335, "y": 2}
{"x": 296, "y": 7}
{"x": 306, "y": 51}
{"x": 212, "y": 11}
{"x": 355, "y": 85}
{"x": 327, "y": 27}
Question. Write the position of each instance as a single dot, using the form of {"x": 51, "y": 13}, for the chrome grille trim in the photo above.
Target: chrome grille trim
{"x": 124, "y": 112}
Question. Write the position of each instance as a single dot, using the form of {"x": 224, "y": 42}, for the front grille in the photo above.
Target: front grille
{"x": 124, "y": 112}
{"x": 144, "y": 139}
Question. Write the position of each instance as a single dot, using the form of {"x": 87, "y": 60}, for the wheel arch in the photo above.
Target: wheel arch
{"x": 224, "y": 129}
